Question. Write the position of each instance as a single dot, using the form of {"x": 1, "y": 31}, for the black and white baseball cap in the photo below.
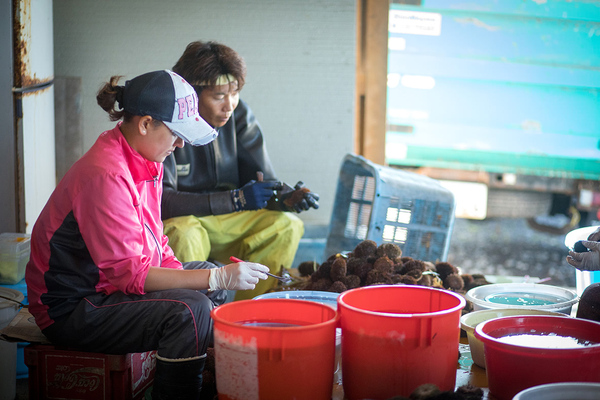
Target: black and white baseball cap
{"x": 169, "y": 98}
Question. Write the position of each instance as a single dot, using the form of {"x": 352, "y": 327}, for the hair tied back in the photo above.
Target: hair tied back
{"x": 119, "y": 90}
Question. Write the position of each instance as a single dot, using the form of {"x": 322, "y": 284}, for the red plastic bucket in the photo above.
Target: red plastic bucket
{"x": 396, "y": 338}
{"x": 512, "y": 368}
{"x": 274, "y": 349}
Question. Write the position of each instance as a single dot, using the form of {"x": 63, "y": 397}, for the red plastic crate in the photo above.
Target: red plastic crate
{"x": 58, "y": 373}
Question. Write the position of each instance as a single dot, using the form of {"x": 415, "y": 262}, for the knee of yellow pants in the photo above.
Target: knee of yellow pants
{"x": 274, "y": 247}
{"x": 275, "y": 243}
{"x": 188, "y": 238}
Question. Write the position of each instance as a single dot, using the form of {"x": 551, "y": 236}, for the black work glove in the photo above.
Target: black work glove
{"x": 299, "y": 199}
{"x": 254, "y": 195}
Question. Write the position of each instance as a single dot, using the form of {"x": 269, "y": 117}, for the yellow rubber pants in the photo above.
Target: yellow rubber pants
{"x": 267, "y": 237}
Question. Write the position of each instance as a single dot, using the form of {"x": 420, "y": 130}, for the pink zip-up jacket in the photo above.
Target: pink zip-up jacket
{"x": 100, "y": 231}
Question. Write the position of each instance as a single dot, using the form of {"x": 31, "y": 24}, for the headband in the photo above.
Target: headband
{"x": 224, "y": 79}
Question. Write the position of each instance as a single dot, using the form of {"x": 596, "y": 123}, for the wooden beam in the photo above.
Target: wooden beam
{"x": 371, "y": 79}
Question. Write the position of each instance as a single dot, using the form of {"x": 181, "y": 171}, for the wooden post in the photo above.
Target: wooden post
{"x": 371, "y": 79}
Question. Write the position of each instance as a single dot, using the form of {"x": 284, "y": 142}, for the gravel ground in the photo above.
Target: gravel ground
{"x": 509, "y": 247}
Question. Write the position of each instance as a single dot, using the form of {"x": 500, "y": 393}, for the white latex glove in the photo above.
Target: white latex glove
{"x": 586, "y": 261}
{"x": 237, "y": 276}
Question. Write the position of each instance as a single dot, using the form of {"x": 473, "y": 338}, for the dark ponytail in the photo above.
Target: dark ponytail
{"x": 110, "y": 96}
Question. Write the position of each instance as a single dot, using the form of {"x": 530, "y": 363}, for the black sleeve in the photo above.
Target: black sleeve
{"x": 176, "y": 203}
{"x": 239, "y": 152}
{"x": 252, "y": 150}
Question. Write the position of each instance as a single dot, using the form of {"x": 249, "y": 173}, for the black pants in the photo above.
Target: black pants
{"x": 175, "y": 322}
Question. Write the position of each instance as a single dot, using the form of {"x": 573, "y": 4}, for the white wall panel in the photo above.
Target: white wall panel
{"x": 38, "y": 152}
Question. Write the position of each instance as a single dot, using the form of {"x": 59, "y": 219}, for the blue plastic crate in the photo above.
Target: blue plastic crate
{"x": 389, "y": 205}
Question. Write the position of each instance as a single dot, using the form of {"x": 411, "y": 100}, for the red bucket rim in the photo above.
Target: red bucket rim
{"x": 489, "y": 339}
{"x": 461, "y": 301}
{"x": 217, "y": 318}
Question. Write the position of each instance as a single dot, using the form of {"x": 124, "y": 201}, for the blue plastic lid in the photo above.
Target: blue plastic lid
{"x": 327, "y": 298}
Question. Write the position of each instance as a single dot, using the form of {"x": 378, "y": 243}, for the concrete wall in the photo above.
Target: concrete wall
{"x": 301, "y": 68}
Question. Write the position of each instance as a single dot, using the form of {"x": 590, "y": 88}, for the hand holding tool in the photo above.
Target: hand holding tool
{"x": 241, "y": 276}
{"x": 281, "y": 278}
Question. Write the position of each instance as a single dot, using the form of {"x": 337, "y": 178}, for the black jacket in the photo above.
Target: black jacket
{"x": 198, "y": 180}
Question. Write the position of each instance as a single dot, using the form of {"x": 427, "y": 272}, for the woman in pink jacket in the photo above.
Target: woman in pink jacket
{"x": 101, "y": 276}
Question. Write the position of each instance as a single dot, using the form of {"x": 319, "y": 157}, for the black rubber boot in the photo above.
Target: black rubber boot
{"x": 589, "y": 303}
{"x": 178, "y": 380}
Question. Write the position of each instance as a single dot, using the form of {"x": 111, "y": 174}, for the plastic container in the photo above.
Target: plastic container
{"x": 398, "y": 337}
{"x": 388, "y": 205}
{"x": 8, "y": 351}
{"x": 469, "y": 321}
{"x": 512, "y": 368}
{"x": 522, "y": 295}
{"x": 274, "y": 349}
{"x": 584, "y": 279}
{"x": 561, "y": 391}
{"x": 327, "y": 298}
{"x": 14, "y": 255}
